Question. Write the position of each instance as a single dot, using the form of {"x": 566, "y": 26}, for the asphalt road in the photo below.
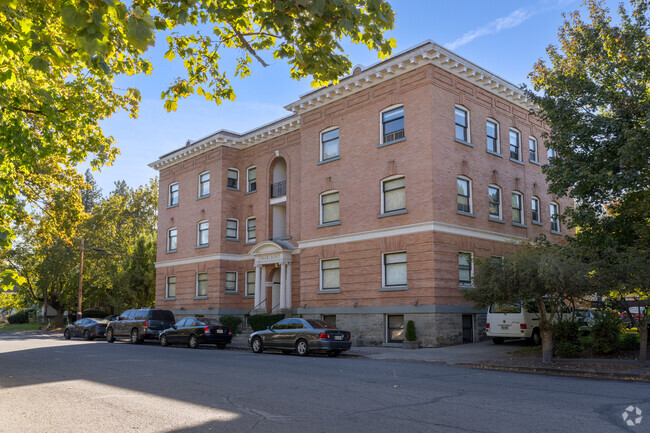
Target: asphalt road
{"x": 48, "y": 384}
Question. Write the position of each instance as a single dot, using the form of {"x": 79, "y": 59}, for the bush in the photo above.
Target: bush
{"x": 566, "y": 339}
{"x": 605, "y": 331}
{"x": 629, "y": 341}
{"x": 19, "y": 317}
{"x": 98, "y": 314}
{"x": 261, "y": 321}
{"x": 410, "y": 331}
{"x": 231, "y": 322}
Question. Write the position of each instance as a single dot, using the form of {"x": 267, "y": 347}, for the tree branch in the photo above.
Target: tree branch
{"x": 247, "y": 46}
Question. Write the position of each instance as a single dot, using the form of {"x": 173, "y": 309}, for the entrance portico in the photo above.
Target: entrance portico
{"x": 272, "y": 254}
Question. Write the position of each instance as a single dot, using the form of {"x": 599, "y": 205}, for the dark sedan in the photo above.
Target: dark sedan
{"x": 302, "y": 336}
{"x": 87, "y": 328}
{"x": 195, "y": 331}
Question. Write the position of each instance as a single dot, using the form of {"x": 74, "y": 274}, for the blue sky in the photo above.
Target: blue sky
{"x": 506, "y": 37}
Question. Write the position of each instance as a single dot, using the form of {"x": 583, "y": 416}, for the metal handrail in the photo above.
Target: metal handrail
{"x": 249, "y": 311}
{"x": 276, "y": 306}
{"x": 279, "y": 189}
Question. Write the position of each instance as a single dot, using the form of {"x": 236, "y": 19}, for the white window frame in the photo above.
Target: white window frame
{"x": 469, "y": 192}
{"x": 555, "y": 218}
{"x": 247, "y": 293}
{"x": 471, "y": 269}
{"x": 169, "y": 238}
{"x": 198, "y": 233}
{"x": 321, "y": 206}
{"x": 539, "y": 209}
{"x": 467, "y": 138}
{"x": 167, "y": 286}
{"x": 381, "y": 193}
{"x": 498, "y": 188}
{"x": 201, "y": 193}
{"x": 532, "y": 139}
{"x": 227, "y": 177}
{"x": 383, "y": 269}
{"x": 498, "y": 140}
{"x": 381, "y": 122}
{"x": 169, "y": 191}
{"x": 550, "y": 154}
{"x": 329, "y": 289}
{"x": 321, "y": 156}
{"x": 248, "y": 239}
{"x": 225, "y": 287}
{"x": 521, "y": 207}
{"x": 248, "y": 179}
{"x": 516, "y": 131}
{"x": 236, "y": 228}
{"x": 198, "y": 276}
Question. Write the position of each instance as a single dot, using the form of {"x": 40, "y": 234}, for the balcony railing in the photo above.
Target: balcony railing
{"x": 279, "y": 189}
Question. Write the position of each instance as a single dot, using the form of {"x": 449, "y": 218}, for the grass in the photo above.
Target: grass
{"x": 19, "y": 327}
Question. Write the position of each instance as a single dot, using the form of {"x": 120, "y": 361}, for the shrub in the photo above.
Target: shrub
{"x": 231, "y": 322}
{"x": 19, "y": 317}
{"x": 566, "y": 339}
{"x": 410, "y": 331}
{"x": 605, "y": 331}
{"x": 261, "y": 321}
{"x": 98, "y": 314}
{"x": 629, "y": 341}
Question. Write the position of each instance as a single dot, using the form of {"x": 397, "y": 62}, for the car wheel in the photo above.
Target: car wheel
{"x": 109, "y": 335}
{"x": 497, "y": 340}
{"x": 135, "y": 336}
{"x": 257, "y": 345}
{"x": 302, "y": 347}
{"x": 66, "y": 334}
{"x": 221, "y": 346}
{"x": 535, "y": 339}
{"x": 194, "y": 341}
{"x": 163, "y": 340}
{"x": 87, "y": 335}
{"x": 333, "y": 353}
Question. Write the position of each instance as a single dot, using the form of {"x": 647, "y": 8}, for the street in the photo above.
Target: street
{"x": 48, "y": 384}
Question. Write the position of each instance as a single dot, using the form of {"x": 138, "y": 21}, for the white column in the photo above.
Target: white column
{"x": 283, "y": 285}
{"x": 263, "y": 288}
{"x": 258, "y": 285}
{"x": 287, "y": 303}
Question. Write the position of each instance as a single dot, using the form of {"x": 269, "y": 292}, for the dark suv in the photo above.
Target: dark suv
{"x": 138, "y": 324}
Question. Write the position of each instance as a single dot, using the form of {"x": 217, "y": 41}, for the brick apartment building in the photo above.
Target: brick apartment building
{"x": 367, "y": 206}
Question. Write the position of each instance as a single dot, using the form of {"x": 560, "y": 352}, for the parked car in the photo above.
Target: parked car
{"x": 195, "y": 331}
{"x": 87, "y": 328}
{"x": 139, "y": 324}
{"x": 302, "y": 336}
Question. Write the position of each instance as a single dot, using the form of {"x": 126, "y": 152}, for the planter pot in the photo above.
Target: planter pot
{"x": 409, "y": 344}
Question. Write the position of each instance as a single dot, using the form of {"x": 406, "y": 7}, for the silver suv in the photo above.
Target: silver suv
{"x": 139, "y": 324}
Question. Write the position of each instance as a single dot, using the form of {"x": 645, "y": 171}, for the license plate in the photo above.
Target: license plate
{"x": 219, "y": 331}
{"x": 504, "y": 326}
{"x": 338, "y": 337}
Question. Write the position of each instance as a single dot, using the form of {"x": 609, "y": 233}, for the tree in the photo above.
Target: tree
{"x": 59, "y": 60}
{"x": 543, "y": 273}
{"x": 91, "y": 194}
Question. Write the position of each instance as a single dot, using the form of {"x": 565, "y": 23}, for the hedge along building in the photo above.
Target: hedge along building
{"x": 367, "y": 206}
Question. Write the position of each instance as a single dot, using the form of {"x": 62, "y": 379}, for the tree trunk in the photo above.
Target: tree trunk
{"x": 547, "y": 341}
{"x": 59, "y": 317}
{"x": 643, "y": 336}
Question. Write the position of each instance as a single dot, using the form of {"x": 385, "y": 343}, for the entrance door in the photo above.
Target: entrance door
{"x": 468, "y": 328}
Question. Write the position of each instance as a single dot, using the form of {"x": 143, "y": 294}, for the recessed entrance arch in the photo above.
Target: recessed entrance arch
{"x": 276, "y": 254}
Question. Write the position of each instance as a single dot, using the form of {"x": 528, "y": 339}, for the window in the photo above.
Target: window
{"x": 204, "y": 184}
{"x": 329, "y": 144}
{"x": 329, "y": 274}
{"x": 171, "y": 287}
{"x": 233, "y": 178}
{"x": 462, "y": 124}
{"x": 532, "y": 148}
{"x": 465, "y": 269}
{"x": 550, "y": 154}
{"x": 494, "y": 193}
{"x": 251, "y": 176}
{"x": 392, "y": 122}
{"x": 464, "y": 199}
{"x": 231, "y": 281}
{"x": 251, "y": 235}
{"x": 232, "y": 229}
{"x": 250, "y": 283}
{"x": 534, "y": 205}
{"x": 517, "y": 208}
{"x": 202, "y": 238}
{"x": 492, "y": 133}
{"x": 394, "y": 269}
{"x": 173, "y": 194}
{"x": 329, "y": 207}
{"x": 329, "y": 318}
{"x": 172, "y": 237}
{"x": 202, "y": 284}
{"x": 393, "y": 194}
{"x": 394, "y": 328}
{"x": 515, "y": 147}
{"x": 555, "y": 219}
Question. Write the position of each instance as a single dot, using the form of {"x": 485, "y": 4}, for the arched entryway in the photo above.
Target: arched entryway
{"x": 277, "y": 255}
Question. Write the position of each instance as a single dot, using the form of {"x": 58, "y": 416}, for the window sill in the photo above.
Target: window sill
{"x": 325, "y": 292}
{"x": 392, "y": 213}
{"x": 250, "y": 243}
{"x": 393, "y": 288}
{"x": 232, "y": 240}
{"x": 537, "y": 223}
{"x": 325, "y": 161}
{"x": 249, "y": 296}
{"x": 283, "y": 238}
{"x": 494, "y": 153}
{"x": 201, "y": 246}
{"x": 520, "y": 225}
{"x": 553, "y": 232}
{"x": 169, "y": 299}
{"x": 170, "y": 252}
{"x": 466, "y": 143}
{"x": 535, "y": 162}
{"x": 201, "y": 297}
{"x": 174, "y": 205}
{"x": 250, "y": 192}
{"x": 469, "y": 214}
{"x": 233, "y": 189}
{"x": 203, "y": 196}
{"x": 465, "y": 287}
{"x": 517, "y": 161}
{"x": 330, "y": 224}
{"x": 231, "y": 292}
{"x": 388, "y": 143}
{"x": 496, "y": 220}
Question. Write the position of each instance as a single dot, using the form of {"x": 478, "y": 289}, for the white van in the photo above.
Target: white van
{"x": 514, "y": 320}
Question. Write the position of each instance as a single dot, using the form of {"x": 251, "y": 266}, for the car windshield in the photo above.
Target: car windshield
{"x": 319, "y": 324}
{"x": 209, "y": 322}
{"x": 98, "y": 320}
{"x": 510, "y": 308}
{"x": 163, "y": 315}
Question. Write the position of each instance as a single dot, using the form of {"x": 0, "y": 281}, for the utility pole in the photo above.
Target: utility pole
{"x": 81, "y": 276}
